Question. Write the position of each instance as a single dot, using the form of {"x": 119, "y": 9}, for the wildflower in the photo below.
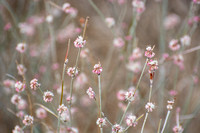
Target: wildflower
{"x": 28, "y": 120}
{"x": 72, "y": 72}
{"x": 129, "y": 96}
{"x": 138, "y": 6}
{"x": 117, "y": 129}
{"x": 79, "y": 42}
{"x": 34, "y": 84}
{"x": 101, "y": 122}
{"x": 196, "y": 1}
{"x": 173, "y": 45}
{"x": 48, "y": 96}
{"x": 19, "y": 86}
{"x": 41, "y": 113}
{"x": 49, "y": 19}
{"x": 177, "y": 129}
{"x": 21, "y": 69}
{"x": 150, "y": 106}
{"x": 136, "y": 54}
{"x": 118, "y": 42}
{"x": 21, "y": 47}
{"x": 121, "y": 95}
{"x": 149, "y": 52}
{"x": 110, "y": 22}
{"x": 22, "y": 104}
{"x": 171, "y": 21}
{"x": 131, "y": 120}
{"x": 66, "y": 7}
{"x": 91, "y": 93}
{"x": 15, "y": 99}
{"x": 178, "y": 60}
{"x": 17, "y": 130}
{"x": 62, "y": 108}
{"x": 97, "y": 68}
{"x": 170, "y": 105}
{"x": 185, "y": 40}
{"x": 153, "y": 65}
{"x": 134, "y": 66}
{"x": 20, "y": 114}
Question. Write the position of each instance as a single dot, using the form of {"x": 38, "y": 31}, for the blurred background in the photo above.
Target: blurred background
{"x": 46, "y": 27}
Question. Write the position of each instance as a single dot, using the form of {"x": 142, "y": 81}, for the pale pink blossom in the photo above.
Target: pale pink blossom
{"x": 170, "y": 104}
{"x": 66, "y": 7}
{"x": 21, "y": 69}
{"x": 134, "y": 66}
{"x": 149, "y": 52}
{"x": 138, "y": 5}
{"x": 9, "y": 83}
{"x": 7, "y": 27}
{"x": 171, "y": 21}
{"x": 34, "y": 84}
{"x": 97, "y": 68}
{"x": 15, "y": 99}
{"x": 136, "y": 54}
{"x": 62, "y": 108}
{"x": 48, "y": 96}
{"x": 121, "y": 95}
{"x": 90, "y": 93}
{"x": 131, "y": 120}
{"x": 22, "y": 104}
{"x": 28, "y": 120}
{"x": 20, "y": 114}
{"x": 117, "y": 129}
{"x": 110, "y": 22}
{"x": 84, "y": 53}
{"x": 174, "y": 45}
{"x": 79, "y": 42}
{"x": 179, "y": 60}
{"x": 81, "y": 80}
{"x": 118, "y": 42}
{"x": 17, "y": 129}
{"x": 21, "y": 47}
{"x": 41, "y": 113}
{"x": 185, "y": 40}
{"x": 129, "y": 96}
{"x": 149, "y": 107}
{"x": 101, "y": 122}
{"x": 173, "y": 92}
{"x": 72, "y": 72}
{"x": 153, "y": 65}
{"x": 177, "y": 129}
{"x": 19, "y": 86}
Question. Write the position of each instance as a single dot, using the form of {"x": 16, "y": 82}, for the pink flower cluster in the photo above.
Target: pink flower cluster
{"x": 69, "y": 10}
{"x": 97, "y": 69}
{"x": 62, "y": 108}
{"x": 34, "y": 84}
{"x": 79, "y": 42}
{"x": 110, "y": 22}
{"x": 117, "y": 128}
{"x": 21, "y": 69}
{"x": 101, "y": 122}
{"x": 118, "y": 42}
{"x": 131, "y": 120}
{"x": 21, "y": 47}
{"x": 28, "y": 120}
{"x": 149, "y": 107}
{"x": 196, "y": 1}
{"x": 72, "y": 72}
{"x": 91, "y": 93}
{"x": 149, "y": 52}
{"x": 41, "y": 113}
{"x": 17, "y": 129}
{"x": 19, "y": 86}
{"x": 138, "y": 5}
{"x": 48, "y": 96}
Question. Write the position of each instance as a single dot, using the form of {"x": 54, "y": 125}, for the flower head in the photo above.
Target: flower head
{"x": 48, "y": 96}
{"x": 118, "y": 42}
{"x": 62, "y": 108}
{"x": 22, "y": 104}
{"x": 21, "y": 47}
{"x": 138, "y": 6}
{"x": 19, "y": 86}
{"x": 177, "y": 129}
{"x": 15, "y": 99}
{"x": 129, "y": 96}
{"x": 101, "y": 122}
{"x": 79, "y": 42}
{"x": 170, "y": 104}
{"x": 149, "y": 52}
{"x": 66, "y": 7}
{"x": 179, "y": 60}
{"x": 131, "y": 120}
{"x": 185, "y": 40}
{"x": 41, "y": 113}
{"x": 34, "y": 84}
{"x": 171, "y": 21}
{"x": 17, "y": 130}
{"x": 153, "y": 65}
{"x": 97, "y": 68}
{"x": 21, "y": 69}
{"x": 121, "y": 95}
{"x": 110, "y": 22}
{"x": 28, "y": 120}
{"x": 91, "y": 93}
{"x": 149, "y": 107}
{"x": 117, "y": 129}
{"x": 174, "y": 45}
{"x": 72, "y": 72}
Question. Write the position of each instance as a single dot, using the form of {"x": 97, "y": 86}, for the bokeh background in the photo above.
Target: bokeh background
{"x": 25, "y": 21}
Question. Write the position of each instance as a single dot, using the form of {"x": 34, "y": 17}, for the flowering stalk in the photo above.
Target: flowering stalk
{"x": 165, "y": 123}
{"x": 100, "y": 105}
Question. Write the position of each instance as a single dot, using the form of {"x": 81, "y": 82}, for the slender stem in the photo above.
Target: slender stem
{"x": 71, "y": 90}
{"x": 159, "y": 126}
{"x": 145, "y": 119}
{"x": 141, "y": 75}
{"x": 58, "y": 126}
{"x": 96, "y": 9}
{"x": 165, "y": 123}
{"x": 150, "y": 91}
{"x": 100, "y": 105}
{"x": 124, "y": 113}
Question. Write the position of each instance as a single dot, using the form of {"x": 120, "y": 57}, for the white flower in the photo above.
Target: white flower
{"x": 48, "y": 96}
{"x": 101, "y": 122}
{"x": 49, "y": 19}
{"x": 21, "y": 47}
{"x": 79, "y": 42}
{"x": 131, "y": 120}
{"x": 185, "y": 40}
{"x": 150, "y": 106}
{"x": 129, "y": 96}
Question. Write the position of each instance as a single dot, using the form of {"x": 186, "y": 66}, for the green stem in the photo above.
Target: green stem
{"x": 124, "y": 113}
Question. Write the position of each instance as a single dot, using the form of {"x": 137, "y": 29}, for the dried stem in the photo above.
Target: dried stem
{"x": 145, "y": 119}
{"x": 165, "y": 123}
